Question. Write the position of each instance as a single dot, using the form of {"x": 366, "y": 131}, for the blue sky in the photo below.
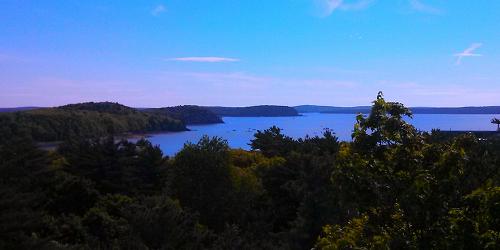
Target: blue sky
{"x": 238, "y": 53}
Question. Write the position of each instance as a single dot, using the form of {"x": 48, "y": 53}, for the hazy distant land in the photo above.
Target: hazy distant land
{"x": 277, "y": 111}
{"x": 255, "y": 111}
{"x": 100, "y": 118}
{"x": 415, "y": 110}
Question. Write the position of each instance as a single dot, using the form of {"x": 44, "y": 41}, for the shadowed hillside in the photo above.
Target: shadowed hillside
{"x": 84, "y": 120}
{"x": 255, "y": 111}
{"x": 189, "y": 114}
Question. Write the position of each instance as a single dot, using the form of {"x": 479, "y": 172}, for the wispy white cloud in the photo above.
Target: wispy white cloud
{"x": 418, "y": 5}
{"x": 359, "y": 5}
{"x": 329, "y": 6}
{"x": 208, "y": 59}
{"x": 469, "y": 52}
{"x": 159, "y": 9}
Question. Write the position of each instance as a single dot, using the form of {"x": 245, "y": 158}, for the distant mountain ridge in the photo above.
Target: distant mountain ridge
{"x": 255, "y": 111}
{"x": 189, "y": 114}
{"x": 415, "y": 110}
{"x": 96, "y": 119}
{"x": 17, "y": 109}
{"x": 332, "y": 109}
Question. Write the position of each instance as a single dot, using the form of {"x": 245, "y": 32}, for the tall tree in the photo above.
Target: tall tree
{"x": 201, "y": 180}
{"x": 497, "y": 122}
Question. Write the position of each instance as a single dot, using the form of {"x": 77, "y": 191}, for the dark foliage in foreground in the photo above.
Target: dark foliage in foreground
{"x": 392, "y": 187}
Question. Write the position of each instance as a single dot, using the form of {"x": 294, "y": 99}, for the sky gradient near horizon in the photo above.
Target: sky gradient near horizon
{"x": 240, "y": 53}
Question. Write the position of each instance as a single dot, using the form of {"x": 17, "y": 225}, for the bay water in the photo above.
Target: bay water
{"x": 238, "y": 131}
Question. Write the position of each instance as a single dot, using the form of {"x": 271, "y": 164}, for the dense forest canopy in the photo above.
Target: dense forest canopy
{"x": 101, "y": 107}
{"x": 391, "y": 187}
{"x": 85, "y": 120}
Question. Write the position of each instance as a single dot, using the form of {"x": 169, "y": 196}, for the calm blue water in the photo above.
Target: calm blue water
{"x": 238, "y": 131}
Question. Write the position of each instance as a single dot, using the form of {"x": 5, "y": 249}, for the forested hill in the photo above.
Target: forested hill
{"x": 255, "y": 111}
{"x": 415, "y": 110}
{"x": 331, "y": 109}
{"x": 101, "y": 107}
{"x": 84, "y": 120}
{"x": 189, "y": 114}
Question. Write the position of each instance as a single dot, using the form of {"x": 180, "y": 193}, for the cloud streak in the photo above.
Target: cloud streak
{"x": 209, "y": 59}
{"x": 159, "y": 9}
{"x": 329, "y": 6}
{"x": 469, "y": 52}
{"x": 421, "y": 7}
{"x": 360, "y": 5}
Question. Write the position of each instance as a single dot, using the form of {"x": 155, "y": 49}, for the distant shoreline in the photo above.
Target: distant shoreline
{"x": 484, "y": 110}
{"x": 286, "y": 111}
